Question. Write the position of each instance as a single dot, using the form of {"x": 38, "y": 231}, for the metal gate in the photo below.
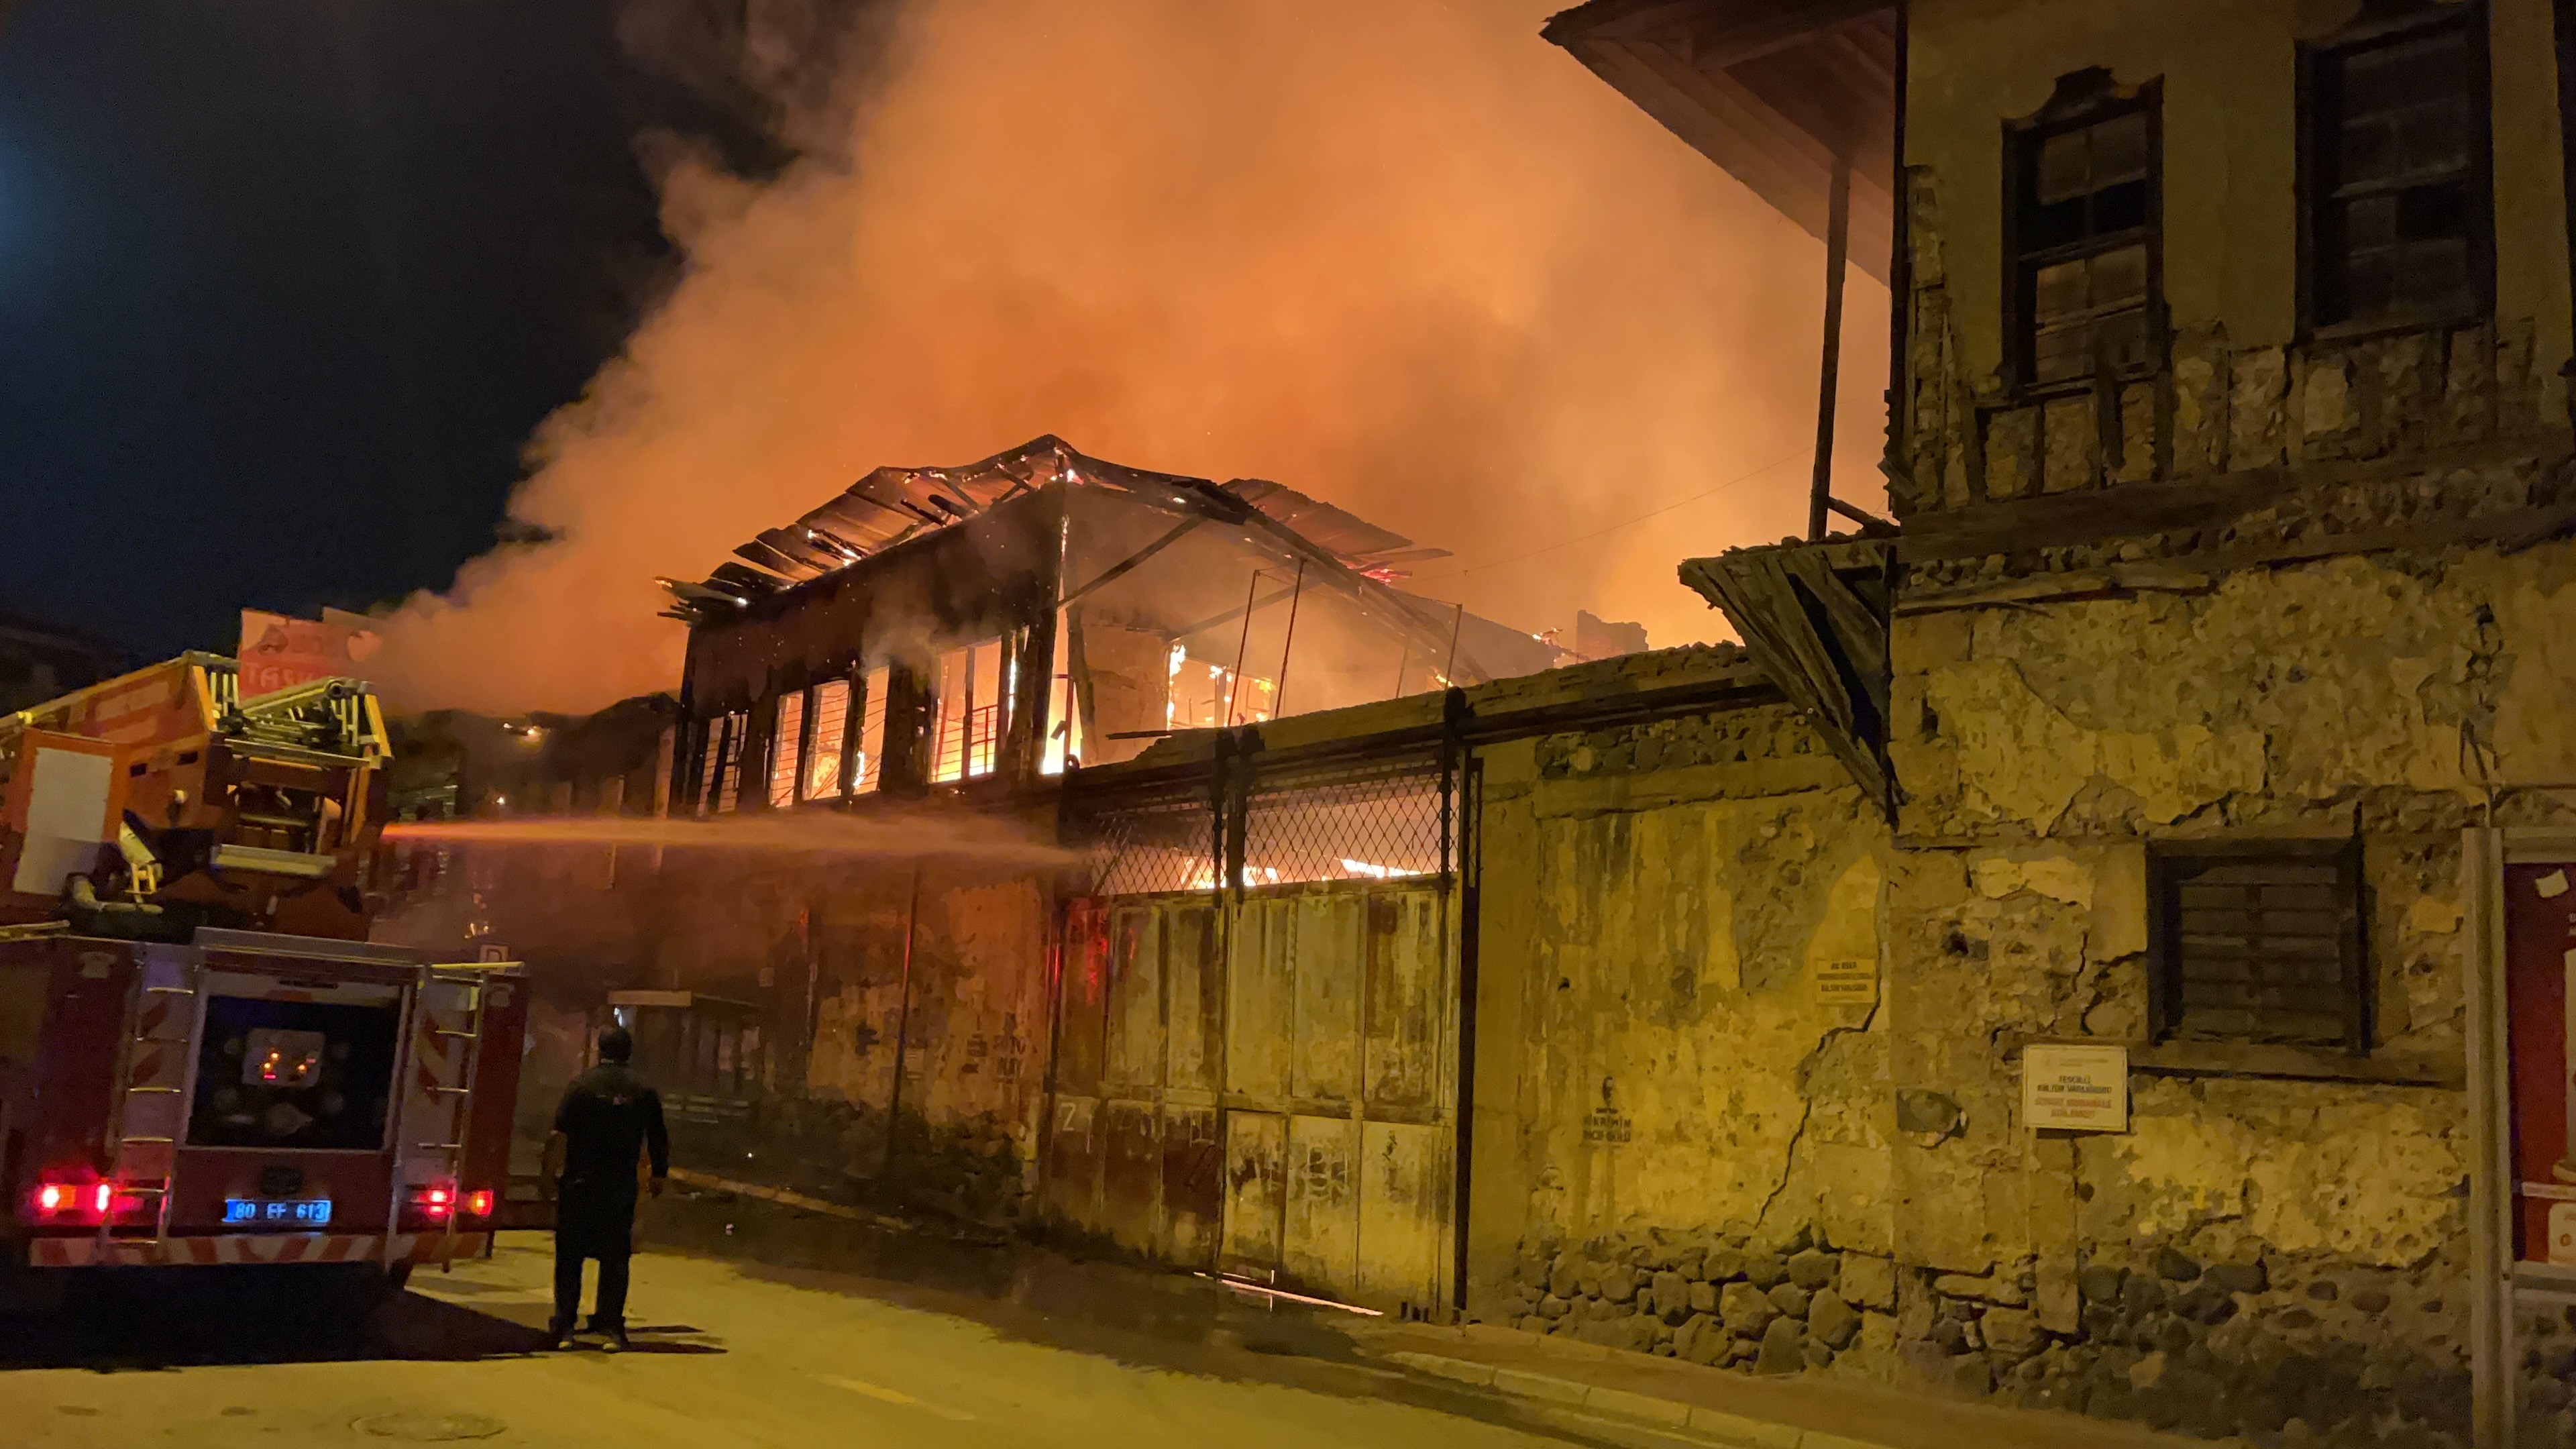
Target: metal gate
{"x": 1262, "y": 1079}
{"x": 1338, "y": 1133}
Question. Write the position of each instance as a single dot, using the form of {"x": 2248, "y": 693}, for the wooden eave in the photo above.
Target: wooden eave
{"x": 1774, "y": 91}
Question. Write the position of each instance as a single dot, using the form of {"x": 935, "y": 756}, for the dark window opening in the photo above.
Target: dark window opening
{"x": 2398, "y": 218}
{"x": 2259, "y": 944}
{"x": 717, "y": 782}
{"x": 2084, "y": 203}
{"x": 294, "y": 1074}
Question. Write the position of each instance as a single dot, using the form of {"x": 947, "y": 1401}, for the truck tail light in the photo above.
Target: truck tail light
{"x": 478, "y": 1203}
{"x": 92, "y": 1201}
{"x": 432, "y": 1200}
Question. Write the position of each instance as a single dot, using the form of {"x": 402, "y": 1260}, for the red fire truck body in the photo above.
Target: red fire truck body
{"x": 181, "y": 1084}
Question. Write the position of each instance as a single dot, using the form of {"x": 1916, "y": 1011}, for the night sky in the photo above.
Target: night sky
{"x": 285, "y": 285}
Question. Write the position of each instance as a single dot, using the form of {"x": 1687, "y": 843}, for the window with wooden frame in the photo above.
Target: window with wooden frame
{"x": 827, "y": 711}
{"x": 786, "y": 749}
{"x": 729, "y": 782}
{"x": 2399, "y": 227}
{"x": 2258, "y": 942}
{"x": 706, "y": 763}
{"x": 976, "y": 682}
{"x": 721, "y": 774}
{"x": 867, "y": 754}
{"x": 1064, "y": 744}
{"x": 2081, "y": 235}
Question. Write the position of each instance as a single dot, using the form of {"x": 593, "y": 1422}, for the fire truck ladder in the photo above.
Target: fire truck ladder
{"x": 153, "y": 1106}
{"x": 461, "y": 1095}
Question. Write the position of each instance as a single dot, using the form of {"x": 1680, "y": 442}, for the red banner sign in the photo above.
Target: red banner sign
{"x": 278, "y": 652}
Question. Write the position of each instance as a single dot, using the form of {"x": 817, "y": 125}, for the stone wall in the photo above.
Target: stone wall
{"x": 1715, "y": 1298}
{"x": 2544, "y": 1342}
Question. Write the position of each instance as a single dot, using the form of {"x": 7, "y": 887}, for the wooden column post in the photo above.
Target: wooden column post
{"x": 1837, "y": 249}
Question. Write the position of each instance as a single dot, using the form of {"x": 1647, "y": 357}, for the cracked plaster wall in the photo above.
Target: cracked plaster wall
{"x": 1655, "y": 900}
{"x": 2268, "y": 695}
{"x": 2256, "y": 1250}
{"x": 2041, "y": 747}
{"x": 821, "y": 951}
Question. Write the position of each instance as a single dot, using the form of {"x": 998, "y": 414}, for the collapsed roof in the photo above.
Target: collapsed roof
{"x": 895, "y": 505}
{"x": 1332, "y": 549}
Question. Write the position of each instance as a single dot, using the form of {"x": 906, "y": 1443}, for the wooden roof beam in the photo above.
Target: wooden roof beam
{"x": 1728, "y": 123}
{"x": 1728, "y": 45}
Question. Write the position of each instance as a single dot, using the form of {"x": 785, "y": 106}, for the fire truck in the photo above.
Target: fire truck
{"x": 203, "y": 1060}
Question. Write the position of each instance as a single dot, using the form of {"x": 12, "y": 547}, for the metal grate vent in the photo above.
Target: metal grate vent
{"x": 2262, "y": 947}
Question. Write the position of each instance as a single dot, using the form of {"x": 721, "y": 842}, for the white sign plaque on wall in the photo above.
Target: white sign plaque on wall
{"x": 2075, "y": 1087}
{"x": 2562, "y": 1234}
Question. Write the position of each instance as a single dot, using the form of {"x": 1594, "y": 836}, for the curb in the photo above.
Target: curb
{"x": 1734, "y": 1430}
{"x": 781, "y": 1196}
{"x": 957, "y": 1232}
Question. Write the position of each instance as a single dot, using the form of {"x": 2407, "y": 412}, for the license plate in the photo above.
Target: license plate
{"x": 302, "y": 1212}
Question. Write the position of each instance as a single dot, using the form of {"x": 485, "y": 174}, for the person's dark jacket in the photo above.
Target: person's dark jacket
{"x": 609, "y": 1115}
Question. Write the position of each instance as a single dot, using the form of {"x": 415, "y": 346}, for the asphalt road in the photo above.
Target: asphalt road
{"x": 804, "y": 1333}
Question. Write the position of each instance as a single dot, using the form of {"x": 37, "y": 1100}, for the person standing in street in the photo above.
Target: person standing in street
{"x": 609, "y": 1117}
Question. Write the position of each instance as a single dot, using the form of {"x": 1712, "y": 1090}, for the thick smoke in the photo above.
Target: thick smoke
{"x": 1400, "y": 254}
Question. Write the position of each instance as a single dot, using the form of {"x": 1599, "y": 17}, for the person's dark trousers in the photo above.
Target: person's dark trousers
{"x": 592, "y": 1224}
{"x": 568, "y": 1262}
{"x": 611, "y": 1314}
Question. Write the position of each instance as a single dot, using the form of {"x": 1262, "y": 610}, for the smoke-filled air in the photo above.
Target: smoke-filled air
{"x": 1403, "y": 255}
{"x": 896, "y": 836}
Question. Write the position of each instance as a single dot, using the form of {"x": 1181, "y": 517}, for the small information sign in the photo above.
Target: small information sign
{"x": 1847, "y": 983}
{"x": 2075, "y": 1087}
{"x": 2562, "y": 1234}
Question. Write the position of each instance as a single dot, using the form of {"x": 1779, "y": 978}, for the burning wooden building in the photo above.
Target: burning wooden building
{"x": 1039, "y": 610}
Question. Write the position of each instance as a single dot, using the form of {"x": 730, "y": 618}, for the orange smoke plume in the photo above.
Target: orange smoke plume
{"x": 1400, "y": 254}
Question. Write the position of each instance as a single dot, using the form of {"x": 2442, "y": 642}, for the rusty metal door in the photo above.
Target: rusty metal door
{"x": 1136, "y": 1158}
{"x": 1264, "y": 1088}
{"x": 1339, "y": 1090}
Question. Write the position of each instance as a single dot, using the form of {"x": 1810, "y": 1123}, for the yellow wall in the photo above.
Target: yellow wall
{"x": 2230, "y": 148}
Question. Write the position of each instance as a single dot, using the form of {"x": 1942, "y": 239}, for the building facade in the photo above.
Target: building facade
{"x": 2224, "y": 699}
{"x": 2100, "y": 943}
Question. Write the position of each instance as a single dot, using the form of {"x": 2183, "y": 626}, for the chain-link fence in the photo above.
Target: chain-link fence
{"x": 1153, "y": 844}
{"x": 1377, "y": 819}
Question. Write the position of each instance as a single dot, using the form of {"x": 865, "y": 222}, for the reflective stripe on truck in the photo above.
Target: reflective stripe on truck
{"x": 216, "y": 1251}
